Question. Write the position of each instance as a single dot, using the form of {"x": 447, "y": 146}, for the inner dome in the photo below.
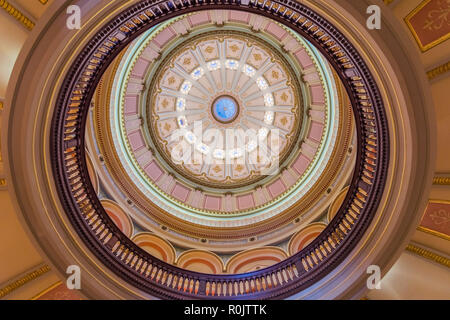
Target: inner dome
{"x": 221, "y": 205}
{"x": 182, "y": 120}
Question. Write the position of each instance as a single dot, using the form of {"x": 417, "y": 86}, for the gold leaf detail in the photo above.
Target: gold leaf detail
{"x": 167, "y": 126}
{"x": 186, "y": 61}
{"x": 234, "y": 48}
{"x": 257, "y": 56}
{"x": 275, "y": 74}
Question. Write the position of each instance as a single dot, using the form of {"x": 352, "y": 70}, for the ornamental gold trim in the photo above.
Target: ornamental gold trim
{"x": 441, "y": 181}
{"x": 40, "y": 294}
{"x": 433, "y": 73}
{"x": 17, "y": 14}
{"x": 23, "y": 280}
{"x": 434, "y": 233}
{"x": 427, "y": 254}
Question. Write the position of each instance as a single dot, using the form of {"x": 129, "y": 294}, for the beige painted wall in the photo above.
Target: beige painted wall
{"x": 414, "y": 277}
{"x": 16, "y": 251}
{"x": 12, "y": 39}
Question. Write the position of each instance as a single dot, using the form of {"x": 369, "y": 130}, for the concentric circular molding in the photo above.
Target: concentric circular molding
{"x": 63, "y": 234}
{"x": 269, "y": 207}
{"x": 298, "y": 271}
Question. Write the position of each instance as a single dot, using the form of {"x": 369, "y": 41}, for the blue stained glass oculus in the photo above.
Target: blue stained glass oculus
{"x": 225, "y": 109}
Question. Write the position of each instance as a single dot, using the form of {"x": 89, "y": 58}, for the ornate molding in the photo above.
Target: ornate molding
{"x": 441, "y": 181}
{"x": 427, "y": 254}
{"x": 23, "y": 280}
{"x": 17, "y": 14}
{"x": 434, "y": 233}
{"x": 433, "y": 73}
{"x": 46, "y": 290}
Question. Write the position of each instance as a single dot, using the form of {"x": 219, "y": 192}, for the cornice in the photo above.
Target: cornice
{"x": 441, "y": 181}
{"x": 23, "y": 280}
{"x": 17, "y": 14}
{"x": 434, "y": 233}
{"x": 427, "y": 254}
{"x": 435, "y": 72}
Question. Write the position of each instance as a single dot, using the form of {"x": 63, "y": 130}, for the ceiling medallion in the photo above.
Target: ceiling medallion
{"x": 225, "y": 109}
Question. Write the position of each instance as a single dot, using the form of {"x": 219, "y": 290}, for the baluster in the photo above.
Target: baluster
{"x": 258, "y": 284}
{"x": 263, "y": 282}
{"x": 269, "y": 282}
{"x": 197, "y": 286}
{"x": 175, "y": 281}
{"x": 219, "y": 289}
{"x": 164, "y": 278}
{"x": 285, "y": 274}
{"x": 191, "y": 286}
{"x": 279, "y": 278}
{"x": 274, "y": 279}
{"x": 169, "y": 279}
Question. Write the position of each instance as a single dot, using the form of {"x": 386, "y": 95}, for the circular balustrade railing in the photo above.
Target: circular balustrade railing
{"x": 159, "y": 279}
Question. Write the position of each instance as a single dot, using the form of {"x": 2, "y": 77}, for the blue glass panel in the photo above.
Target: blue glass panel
{"x": 225, "y": 109}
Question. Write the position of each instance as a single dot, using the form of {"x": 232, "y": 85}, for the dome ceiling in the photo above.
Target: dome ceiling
{"x": 227, "y": 93}
{"x": 223, "y": 142}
